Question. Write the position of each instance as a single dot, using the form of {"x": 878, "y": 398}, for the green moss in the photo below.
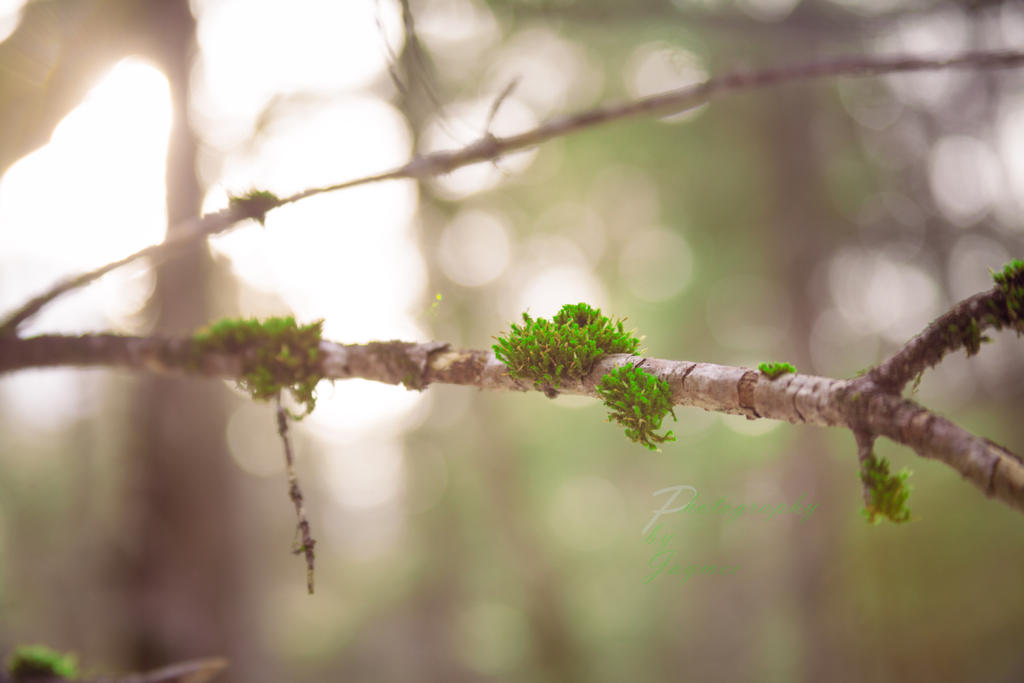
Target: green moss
{"x": 39, "y": 661}
{"x": 639, "y": 401}
{"x": 255, "y": 204}
{"x": 969, "y": 335}
{"x": 1011, "y": 283}
{"x": 277, "y": 354}
{"x": 550, "y": 352}
{"x": 773, "y": 369}
{"x": 888, "y": 492}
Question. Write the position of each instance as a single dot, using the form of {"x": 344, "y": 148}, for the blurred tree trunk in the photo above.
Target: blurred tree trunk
{"x": 181, "y": 587}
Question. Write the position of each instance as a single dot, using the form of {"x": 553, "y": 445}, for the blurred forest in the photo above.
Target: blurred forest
{"x": 471, "y": 536}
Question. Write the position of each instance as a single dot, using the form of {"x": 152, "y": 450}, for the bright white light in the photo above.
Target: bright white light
{"x": 659, "y": 67}
{"x": 254, "y": 50}
{"x": 550, "y": 72}
{"x": 876, "y": 293}
{"x": 965, "y": 178}
{"x": 457, "y": 33}
{"x": 278, "y": 86}
{"x": 463, "y": 124}
{"x": 925, "y": 34}
{"x": 92, "y": 195}
{"x": 474, "y": 248}
{"x": 345, "y": 256}
{"x": 554, "y": 287}
{"x": 10, "y": 15}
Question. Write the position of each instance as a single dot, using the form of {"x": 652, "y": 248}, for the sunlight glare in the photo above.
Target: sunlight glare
{"x": 252, "y": 51}
{"x": 10, "y": 16}
{"x": 97, "y": 190}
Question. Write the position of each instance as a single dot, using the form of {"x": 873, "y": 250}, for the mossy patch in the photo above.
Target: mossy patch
{"x": 639, "y": 401}
{"x": 888, "y": 492}
{"x": 773, "y": 369}
{"x": 255, "y": 204}
{"x": 38, "y": 661}
{"x": 1011, "y": 284}
{"x": 550, "y": 352}
{"x": 968, "y": 335}
{"x": 277, "y": 354}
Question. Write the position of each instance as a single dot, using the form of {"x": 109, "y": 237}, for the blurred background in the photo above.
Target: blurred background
{"x": 469, "y": 536}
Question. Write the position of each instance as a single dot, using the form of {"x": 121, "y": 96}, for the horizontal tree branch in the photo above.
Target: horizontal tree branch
{"x": 490, "y": 147}
{"x": 858, "y": 404}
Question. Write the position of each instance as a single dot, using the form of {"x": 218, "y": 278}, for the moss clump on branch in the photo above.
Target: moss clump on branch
{"x": 969, "y": 335}
{"x": 255, "y": 204}
{"x": 639, "y": 401}
{"x": 773, "y": 369}
{"x": 277, "y": 354}
{"x": 888, "y": 493}
{"x": 550, "y": 352}
{"x": 1011, "y": 283}
{"x": 38, "y": 661}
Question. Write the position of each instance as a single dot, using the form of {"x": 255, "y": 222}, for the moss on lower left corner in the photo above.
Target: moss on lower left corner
{"x": 277, "y": 354}
{"x": 38, "y": 661}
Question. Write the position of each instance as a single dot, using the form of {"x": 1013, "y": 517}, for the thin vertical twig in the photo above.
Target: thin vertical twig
{"x": 295, "y": 493}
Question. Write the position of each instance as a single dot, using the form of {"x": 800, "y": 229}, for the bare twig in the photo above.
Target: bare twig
{"x": 491, "y": 147}
{"x": 295, "y": 493}
{"x": 498, "y": 101}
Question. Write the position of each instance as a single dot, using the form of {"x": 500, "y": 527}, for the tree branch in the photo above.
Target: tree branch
{"x": 491, "y": 147}
{"x": 859, "y": 404}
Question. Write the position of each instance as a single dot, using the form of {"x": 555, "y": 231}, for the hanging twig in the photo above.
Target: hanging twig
{"x": 304, "y": 541}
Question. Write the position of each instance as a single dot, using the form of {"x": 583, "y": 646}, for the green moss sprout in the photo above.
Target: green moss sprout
{"x": 888, "y": 492}
{"x": 969, "y": 336}
{"x": 1011, "y": 283}
{"x": 773, "y": 369}
{"x": 38, "y": 661}
{"x": 551, "y": 352}
{"x": 277, "y": 354}
{"x": 255, "y": 204}
{"x": 639, "y": 401}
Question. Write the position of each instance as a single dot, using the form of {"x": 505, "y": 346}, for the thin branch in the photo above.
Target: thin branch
{"x": 185, "y": 234}
{"x": 960, "y": 327}
{"x": 865, "y": 445}
{"x": 490, "y": 147}
{"x": 856, "y": 404}
{"x": 295, "y": 493}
